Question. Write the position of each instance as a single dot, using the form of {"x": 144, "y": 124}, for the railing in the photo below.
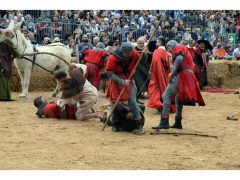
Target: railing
{"x": 122, "y": 35}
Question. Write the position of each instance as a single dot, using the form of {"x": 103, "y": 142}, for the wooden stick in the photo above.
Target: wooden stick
{"x": 132, "y": 74}
{"x": 182, "y": 133}
{"x": 143, "y": 85}
{"x": 35, "y": 53}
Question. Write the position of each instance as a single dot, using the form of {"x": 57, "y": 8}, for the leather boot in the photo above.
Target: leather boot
{"x": 178, "y": 123}
{"x": 164, "y": 123}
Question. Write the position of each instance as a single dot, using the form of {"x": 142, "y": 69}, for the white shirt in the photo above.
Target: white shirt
{"x": 237, "y": 52}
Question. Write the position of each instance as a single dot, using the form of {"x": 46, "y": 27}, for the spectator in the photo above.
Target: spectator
{"x": 72, "y": 47}
{"x": 187, "y": 35}
{"x": 83, "y": 46}
{"x": 220, "y": 52}
{"x": 46, "y": 41}
{"x": 56, "y": 27}
{"x": 29, "y": 24}
{"x": 229, "y": 52}
{"x": 129, "y": 37}
{"x": 95, "y": 41}
{"x": 94, "y": 29}
{"x": 105, "y": 41}
{"x": 32, "y": 38}
{"x": 237, "y": 52}
{"x": 56, "y": 40}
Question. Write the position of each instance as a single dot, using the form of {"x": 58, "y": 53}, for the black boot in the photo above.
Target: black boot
{"x": 164, "y": 123}
{"x": 178, "y": 123}
{"x": 159, "y": 111}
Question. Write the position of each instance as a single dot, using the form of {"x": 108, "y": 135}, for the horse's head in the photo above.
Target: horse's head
{"x": 14, "y": 33}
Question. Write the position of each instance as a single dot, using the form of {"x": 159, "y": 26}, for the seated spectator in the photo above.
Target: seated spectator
{"x": 229, "y": 52}
{"x": 29, "y": 24}
{"x": 32, "y": 38}
{"x": 72, "y": 47}
{"x": 56, "y": 26}
{"x": 187, "y": 35}
{"x": 83, "y": 46}
{"x": 95, "y": 41}
{"x": 220, "y": 52}
{"x": 237, "y": 52}
{"x": 105, "y": 41}
{"x": 46, "y": 41}
{"x": 56, "y": 40}
{"x": 110, "y": 47}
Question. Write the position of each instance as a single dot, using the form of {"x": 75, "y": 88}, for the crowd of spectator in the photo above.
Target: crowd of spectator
{"x": 83, "y": 27}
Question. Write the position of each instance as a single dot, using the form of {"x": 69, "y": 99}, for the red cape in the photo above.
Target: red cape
{"x": 94, "y": 61}
{"x": 160, "y": 70}
{"x": 51, "y": 110}
{"x": 188, "y": 86}
{"x": 115, "y": 89}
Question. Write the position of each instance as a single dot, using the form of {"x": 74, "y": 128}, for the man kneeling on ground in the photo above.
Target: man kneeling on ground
{"x": 77, "y": 87}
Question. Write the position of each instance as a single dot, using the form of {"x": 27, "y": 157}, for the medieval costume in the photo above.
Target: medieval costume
{"x": 78, "y": 88}
{"x": 94, "y": 59}
{"x": 160, "y": 70}
{"x": 52, "y": 110}
{"x": 7, "y": 53}
{"x": 201, "y": 60}
{"x": 118, "y": 70}
{"x": 141, "y": 75}
{"x": 183, "y": 85}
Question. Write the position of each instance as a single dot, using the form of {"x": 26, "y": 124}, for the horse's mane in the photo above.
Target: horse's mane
{"x": 22, "y": 38}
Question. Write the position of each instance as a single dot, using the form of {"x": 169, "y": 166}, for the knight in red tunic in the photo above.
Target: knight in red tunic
{"x": 94, "y": 59}
{"x": 183, "y": 85}
{"x": 120, "y": 64}
{"x": 52, "y": 110}
{"x": 160, "y": 69}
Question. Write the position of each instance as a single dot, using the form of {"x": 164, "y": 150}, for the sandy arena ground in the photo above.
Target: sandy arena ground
{"x": 28, "y": 142}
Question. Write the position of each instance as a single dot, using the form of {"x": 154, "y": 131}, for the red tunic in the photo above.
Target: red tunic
{"x": 94, "y": 60}
{"x": 188, "y": 86}
{"x": 196, "y": 69}
{"x": 51, "y": 110}
{"x": 160, "y": 70}
{"x": 115, "y": 89}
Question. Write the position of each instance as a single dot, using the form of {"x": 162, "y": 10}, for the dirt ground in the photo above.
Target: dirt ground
{"x": 28, "y": 142}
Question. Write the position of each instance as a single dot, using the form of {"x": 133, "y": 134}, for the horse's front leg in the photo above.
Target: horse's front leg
{"x": 57, "y": 89}
{"x": 21, "y": 74}
{"x": 25, "y": 85}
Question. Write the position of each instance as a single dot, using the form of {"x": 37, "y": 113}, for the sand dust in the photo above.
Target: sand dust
{"x": 28, "y": 142}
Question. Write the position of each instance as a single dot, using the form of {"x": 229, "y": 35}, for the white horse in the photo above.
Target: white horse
{"x": 49, "y": 62}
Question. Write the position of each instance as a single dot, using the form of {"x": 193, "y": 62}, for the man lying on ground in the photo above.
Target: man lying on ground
{"x": 53, "y": 110}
